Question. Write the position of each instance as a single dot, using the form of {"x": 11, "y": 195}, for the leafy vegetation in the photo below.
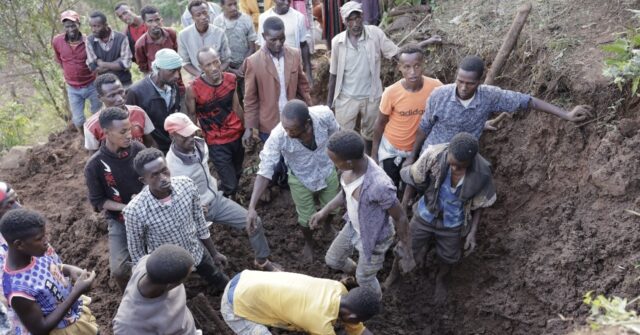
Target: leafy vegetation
{"x": 611, "y": 312}
{"x": 624, "y": 64}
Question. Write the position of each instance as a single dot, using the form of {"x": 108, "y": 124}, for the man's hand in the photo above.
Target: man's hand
{"x": 435, "y": 39}
{"x": 74, "y": 272}
{"x": 83, "y": 283}
{"x": 250, "y": 138}
{"x": 252, "y": 220}
{"x": 469, "y": 244}
{"x": 252, "y": 225}
{"x": 580, "y": 113}
{"x": 220, "y": 260}
{"x": 316, "y": 219}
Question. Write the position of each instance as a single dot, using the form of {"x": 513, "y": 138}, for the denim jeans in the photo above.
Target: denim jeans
{"x": 338, "y": 257}
{"x": 77, "y": 97}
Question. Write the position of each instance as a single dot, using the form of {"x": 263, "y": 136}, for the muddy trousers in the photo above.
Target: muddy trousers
{"x": 239, "y": 325}
{"x": 338, "y": 257}
{"x": 227, "y": 212}
{"x": 119, "y": 258}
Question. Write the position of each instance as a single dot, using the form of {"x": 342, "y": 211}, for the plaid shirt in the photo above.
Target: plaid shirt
{"x": 181, "y": 222}
{"x": 445, "y": 116}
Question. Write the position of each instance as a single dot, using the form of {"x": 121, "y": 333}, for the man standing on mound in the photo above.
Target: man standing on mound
{"x": 465, "y": 106}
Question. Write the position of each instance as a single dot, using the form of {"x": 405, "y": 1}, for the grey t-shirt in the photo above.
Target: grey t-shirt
{"x": 190, "y": 41}
{"x": 167, "y": 314}
{"x": 239, "y": 33}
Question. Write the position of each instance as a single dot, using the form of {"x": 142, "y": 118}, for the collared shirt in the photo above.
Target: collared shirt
{"x": 146, "y": 47}
{"x": 72, "y": 57}
{"x": 125, "y": 51}
{"x": 312, "y": 168}
{"x": 357, "y": 73}
{"x": 190, "y": 41}
{"x": 164, "y": 93}
{"x": 240, "y": 34}
{"x": 450, "y": 203}
{"x": 376, "y": 44}
{"x": 295, "y": 27}
{"x": 151, "y": 223}
{"x": 279, "y": 64}
{"x": 445, "y": 116}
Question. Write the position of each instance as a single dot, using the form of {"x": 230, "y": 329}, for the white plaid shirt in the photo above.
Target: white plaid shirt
{"x": 181, "y": 222}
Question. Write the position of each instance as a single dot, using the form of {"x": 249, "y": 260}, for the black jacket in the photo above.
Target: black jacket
{"x": 144, "y": 94}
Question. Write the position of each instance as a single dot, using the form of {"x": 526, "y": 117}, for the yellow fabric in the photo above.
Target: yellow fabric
{"x": 85, "y": 325}
{"x": 291, "y": 301}
{"x": 250, "y": 7}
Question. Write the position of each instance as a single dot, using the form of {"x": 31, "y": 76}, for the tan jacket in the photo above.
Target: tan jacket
{"x": 262, "y": 87}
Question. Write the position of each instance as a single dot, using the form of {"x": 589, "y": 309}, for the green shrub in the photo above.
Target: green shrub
{"x": 624, "y": 64}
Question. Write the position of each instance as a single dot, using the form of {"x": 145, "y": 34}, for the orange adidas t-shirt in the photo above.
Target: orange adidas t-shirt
{"x": 405, "y": 110}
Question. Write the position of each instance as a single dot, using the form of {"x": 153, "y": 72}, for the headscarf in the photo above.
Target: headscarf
{"x": 166, "y": 59}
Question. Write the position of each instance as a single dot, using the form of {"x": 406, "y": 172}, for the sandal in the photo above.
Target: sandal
{"x": 268, "y": 266}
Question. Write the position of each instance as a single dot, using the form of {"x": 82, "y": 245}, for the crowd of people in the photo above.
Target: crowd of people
{"x": 403, "y": 159}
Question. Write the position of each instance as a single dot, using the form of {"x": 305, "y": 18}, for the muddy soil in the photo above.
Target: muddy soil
{"x": 558, "y": 229}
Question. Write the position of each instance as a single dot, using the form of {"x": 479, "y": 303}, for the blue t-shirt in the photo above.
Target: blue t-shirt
{"x": 448, "y": 200}
{"x": 43, "y": 282}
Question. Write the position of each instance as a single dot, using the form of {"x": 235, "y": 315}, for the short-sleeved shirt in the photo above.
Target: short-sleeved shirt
{"x": 376, "y": 45}
{"x": 151, "y": 222}
{"x": 445, "y": 116}
{"x": 140, "y": 125}
{"x": 357, "y": 73}
{"x": 291, "y": 301}
{"x": 295, "y": 27}
{"x": 405, "y": 110}
{"x": 167, "y": 314}
{"x": 42, "y": 281}
{"x": 214, "y": 109}
{"x": 240, "y": 34}
{"x": 311, "y": 167}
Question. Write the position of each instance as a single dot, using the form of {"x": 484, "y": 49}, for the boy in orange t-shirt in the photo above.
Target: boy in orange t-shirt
{"x": 401, "y": 109}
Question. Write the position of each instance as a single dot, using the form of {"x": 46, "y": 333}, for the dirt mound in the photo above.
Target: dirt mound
{"x": 558, "y": 230}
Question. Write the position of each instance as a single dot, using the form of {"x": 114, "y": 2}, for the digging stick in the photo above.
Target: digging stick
{"x": 505, "y": 50}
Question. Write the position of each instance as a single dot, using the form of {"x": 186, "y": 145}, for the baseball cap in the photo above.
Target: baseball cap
{"x": 69, "y": 15}
{"x": 179, "y": 123}
{"x": 349, "y": 8}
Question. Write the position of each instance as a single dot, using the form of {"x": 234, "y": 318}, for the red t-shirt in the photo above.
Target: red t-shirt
{"x": 136, "y": 32}
{"x": 139, "y": 123}
{"x": 211, "y": 101}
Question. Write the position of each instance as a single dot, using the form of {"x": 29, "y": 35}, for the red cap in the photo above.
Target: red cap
{"x": 69, "y": 15}
{"x": 180, "y": 123}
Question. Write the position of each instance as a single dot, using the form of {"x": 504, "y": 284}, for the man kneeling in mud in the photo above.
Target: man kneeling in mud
{"x": 457, "y": 183}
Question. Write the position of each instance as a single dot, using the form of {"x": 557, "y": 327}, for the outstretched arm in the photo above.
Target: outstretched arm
{"x": 470, "y": 241}
{"x": 577, "y": 114}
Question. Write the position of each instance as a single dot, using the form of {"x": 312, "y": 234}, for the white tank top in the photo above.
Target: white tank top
{"x": 352, "y": 202}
